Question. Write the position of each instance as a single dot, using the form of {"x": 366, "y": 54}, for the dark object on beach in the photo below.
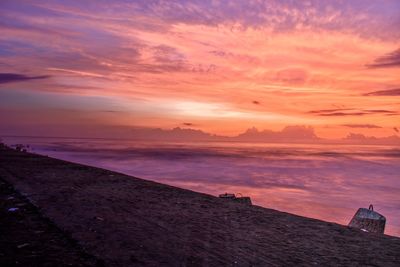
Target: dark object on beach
{"x": 2, "y": 144}
{"x": 368, "y": 220}
{"x": 21, "y": 148}
{"x": 227, "y": 195}
{"x": 241, "y": 199}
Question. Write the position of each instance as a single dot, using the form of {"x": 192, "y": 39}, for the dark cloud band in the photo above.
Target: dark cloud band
{"x": 390, "y": 92}
{"x": 362, "y": 126}
{"x": 391, "y": 59}
{"x": 14, "y": 77}
{"x": 352, "y": 112}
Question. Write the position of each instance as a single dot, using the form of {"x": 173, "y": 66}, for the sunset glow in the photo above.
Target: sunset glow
{"x": 217, "y": 66}
{"x": 235, "y": 132}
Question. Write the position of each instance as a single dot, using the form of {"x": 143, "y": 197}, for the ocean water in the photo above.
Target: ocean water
{"x": 328, "y": 182}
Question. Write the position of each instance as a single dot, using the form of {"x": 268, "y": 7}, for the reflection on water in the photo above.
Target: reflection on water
{"x": 319, "y": 181}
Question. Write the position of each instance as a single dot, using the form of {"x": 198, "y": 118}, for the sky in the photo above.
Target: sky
{"x": 216, "y": 66}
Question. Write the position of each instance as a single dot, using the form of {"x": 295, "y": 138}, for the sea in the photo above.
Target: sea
{"x": 326, "y": 182}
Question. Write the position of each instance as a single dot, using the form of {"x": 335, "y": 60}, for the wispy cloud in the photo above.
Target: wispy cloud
{"x": 391, "y": 59}
{"x": 361, "y": 125}
{"x": 352, "y": 112}
{"x": 390, "y": 92}
{"x": 14, "y": 77}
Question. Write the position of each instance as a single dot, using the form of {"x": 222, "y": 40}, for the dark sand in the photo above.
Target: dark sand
{"x": 29, "y": 239}
{"x": 127, "y": 221}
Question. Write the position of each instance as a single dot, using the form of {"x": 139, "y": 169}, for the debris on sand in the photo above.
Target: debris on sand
{"x": 23, "y": 245}
{"x": 239, "y": 199}
{"x": 13, "y": 209}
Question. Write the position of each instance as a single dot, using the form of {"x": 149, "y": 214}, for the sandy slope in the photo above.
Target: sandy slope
{"x": 128, "y": 221}
{"x": 29, "y": 239}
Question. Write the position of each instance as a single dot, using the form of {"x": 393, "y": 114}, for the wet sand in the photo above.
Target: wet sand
{"x": 126, "y": 221}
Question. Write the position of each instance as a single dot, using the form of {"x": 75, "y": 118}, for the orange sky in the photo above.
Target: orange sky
{"x": 220, "y": 66}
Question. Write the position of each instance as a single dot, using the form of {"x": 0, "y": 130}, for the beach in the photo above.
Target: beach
{"x": 127, "y": 221}
{"x": 328, "y": 182}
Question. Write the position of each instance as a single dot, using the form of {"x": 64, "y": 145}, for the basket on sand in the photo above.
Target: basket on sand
{"x": 239, "y": 199}
{"x": 368, "y": 220}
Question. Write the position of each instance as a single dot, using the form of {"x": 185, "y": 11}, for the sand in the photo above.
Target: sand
{"x": 127, "y": 221}
{"x": 29, "y": 239}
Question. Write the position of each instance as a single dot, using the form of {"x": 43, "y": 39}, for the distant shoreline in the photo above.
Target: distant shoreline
{"x": 325, "y": 142}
